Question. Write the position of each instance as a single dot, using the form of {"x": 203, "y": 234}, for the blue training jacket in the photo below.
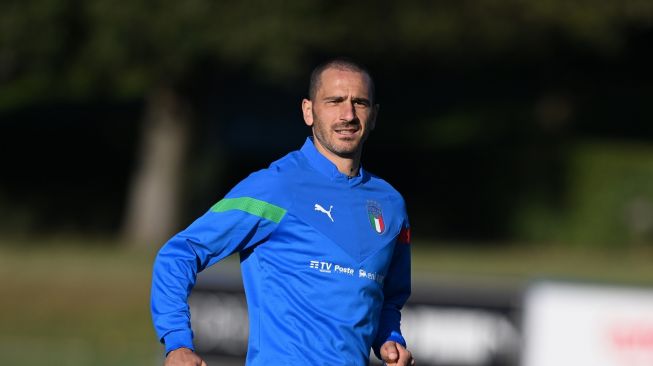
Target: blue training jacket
{"x": 325, "y": 261}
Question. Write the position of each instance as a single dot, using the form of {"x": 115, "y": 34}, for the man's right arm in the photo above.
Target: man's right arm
{"x": 233, "y": 224}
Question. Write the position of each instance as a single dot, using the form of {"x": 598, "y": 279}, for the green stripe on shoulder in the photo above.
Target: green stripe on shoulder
{"x": 252, "y": 206}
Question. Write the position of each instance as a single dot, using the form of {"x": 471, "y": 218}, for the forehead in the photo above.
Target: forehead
{"x": 335, "y": 80}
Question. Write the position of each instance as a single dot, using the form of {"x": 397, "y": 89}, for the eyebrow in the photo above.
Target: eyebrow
{"x": 334, "y": 98}
{"x": 338, "y": 98}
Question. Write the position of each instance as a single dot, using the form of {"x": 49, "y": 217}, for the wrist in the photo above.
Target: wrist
{"x": 397, "y": 337}
{"x": 178, "y": 339}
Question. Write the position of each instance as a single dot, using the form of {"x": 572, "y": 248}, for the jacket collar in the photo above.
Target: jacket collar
{"x": 326, "y": 167}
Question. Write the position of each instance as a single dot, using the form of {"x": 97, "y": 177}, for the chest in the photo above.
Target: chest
{"x": 349, "y": 232}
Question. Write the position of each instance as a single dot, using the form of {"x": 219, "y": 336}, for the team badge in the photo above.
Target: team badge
{"x": 376, "y": 216}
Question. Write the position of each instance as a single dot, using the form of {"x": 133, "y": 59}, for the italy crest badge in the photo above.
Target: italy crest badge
{"x": 376, "y": 216}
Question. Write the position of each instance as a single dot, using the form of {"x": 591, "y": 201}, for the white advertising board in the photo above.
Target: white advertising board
{"x": 587, "y": 325}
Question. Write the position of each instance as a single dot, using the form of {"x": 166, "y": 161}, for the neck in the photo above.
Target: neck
{"x": 346, "y": 165}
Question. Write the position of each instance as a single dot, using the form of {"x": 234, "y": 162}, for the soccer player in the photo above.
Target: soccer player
{"x": 323, "y": 244}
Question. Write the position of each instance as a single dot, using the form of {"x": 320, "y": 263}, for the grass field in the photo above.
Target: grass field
{"x": 66, "y": 304}
{"x": 73, "y": 306}
{"x": 514, "y": 263}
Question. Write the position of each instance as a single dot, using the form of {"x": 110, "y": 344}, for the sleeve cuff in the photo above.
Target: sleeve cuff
{"x": 395, "y": 337}
{"x": 178, "y": 339}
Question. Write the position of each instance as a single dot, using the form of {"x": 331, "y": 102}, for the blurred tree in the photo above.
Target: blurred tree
{"x": 156, "y": 50}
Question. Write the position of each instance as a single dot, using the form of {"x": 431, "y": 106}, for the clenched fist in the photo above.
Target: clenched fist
{"x": 394, "y": 354}
{"x": 184, "y": 357}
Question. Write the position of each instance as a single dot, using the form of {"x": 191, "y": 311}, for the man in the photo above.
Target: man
{"x": 323, "y": 244}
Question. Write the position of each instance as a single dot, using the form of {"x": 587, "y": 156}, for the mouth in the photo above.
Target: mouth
{"x": 346, "y": 131}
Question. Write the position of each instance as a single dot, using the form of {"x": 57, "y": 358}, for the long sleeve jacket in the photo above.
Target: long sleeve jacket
{"x": 325, "y": 261}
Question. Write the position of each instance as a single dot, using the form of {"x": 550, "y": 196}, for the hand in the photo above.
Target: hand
{"x": 394, "y": 354}
{"x": 184, "y": 357}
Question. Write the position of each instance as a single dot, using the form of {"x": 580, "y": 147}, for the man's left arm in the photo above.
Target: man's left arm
{"x": 396, "y": 291}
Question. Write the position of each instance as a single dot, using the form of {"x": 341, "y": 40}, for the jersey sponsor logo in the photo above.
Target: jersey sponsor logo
{"x": 319, "y": 208}
{"x": 343, "y": 270}
{"x": 376, "y": 216}
{"x": 334, "y": 268}
{"x": 377, "y": 277}
{"x": 329, "y": 267}
{"x": 325, "y": 267}
{"x": 321, "y": 266}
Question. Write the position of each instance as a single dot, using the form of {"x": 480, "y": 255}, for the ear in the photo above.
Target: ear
{"x": 307, "y": 111}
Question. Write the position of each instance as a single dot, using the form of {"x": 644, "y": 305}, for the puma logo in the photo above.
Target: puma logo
{"x": 319, "y": 207}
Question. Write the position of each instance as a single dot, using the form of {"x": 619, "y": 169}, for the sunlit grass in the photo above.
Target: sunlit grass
{"x": 75, "y": 306}
{"x": 523, "y": 263}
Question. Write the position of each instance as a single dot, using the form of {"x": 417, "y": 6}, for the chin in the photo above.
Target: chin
{"x": 348, "y": 152}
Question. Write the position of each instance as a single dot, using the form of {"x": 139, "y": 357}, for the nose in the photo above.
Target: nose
{"x": 347, "y": 111}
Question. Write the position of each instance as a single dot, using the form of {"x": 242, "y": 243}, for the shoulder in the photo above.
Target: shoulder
{"x": 270, "y": 184}
{"x": 384, "y": 186}
{"x": 392, "y": 195}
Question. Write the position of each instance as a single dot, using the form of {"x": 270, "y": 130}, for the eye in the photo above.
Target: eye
{"x": 334, "y": 101}
{"x": 361, "y": 103}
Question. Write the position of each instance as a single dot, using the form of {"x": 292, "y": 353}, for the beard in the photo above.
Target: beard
{"x": 343, "y": 147}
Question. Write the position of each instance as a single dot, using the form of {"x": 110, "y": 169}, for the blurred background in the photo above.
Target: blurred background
{"x": 518, "y": 132}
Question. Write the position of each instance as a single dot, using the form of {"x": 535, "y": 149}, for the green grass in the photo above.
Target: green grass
{"x": 74, "y": 306}
{"x": 82, "y": 304}
{"x": 520, "y": 264}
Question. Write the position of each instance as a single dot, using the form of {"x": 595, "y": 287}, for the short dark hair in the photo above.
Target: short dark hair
{"x": 339, "y": 63}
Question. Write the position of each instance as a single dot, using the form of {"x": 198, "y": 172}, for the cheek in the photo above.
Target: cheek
{"x": 321, "y": 119}
{"x": 366, "y": 120}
